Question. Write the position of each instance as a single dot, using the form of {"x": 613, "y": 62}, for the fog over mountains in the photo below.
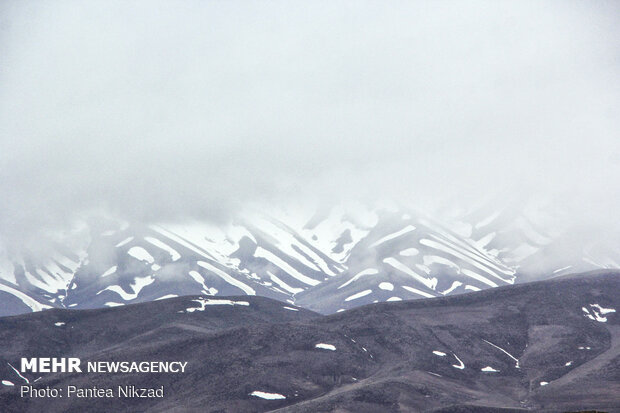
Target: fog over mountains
{"x": 155, "y": 113}
{"x": 320, "y": 206}
{"x": 331, "y": 260}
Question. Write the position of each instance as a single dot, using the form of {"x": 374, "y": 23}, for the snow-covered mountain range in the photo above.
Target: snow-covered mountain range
{"x": 328, "y": 261}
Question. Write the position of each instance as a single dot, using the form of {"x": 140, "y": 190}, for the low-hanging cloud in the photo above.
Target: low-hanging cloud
{"x": 158, "y": 110}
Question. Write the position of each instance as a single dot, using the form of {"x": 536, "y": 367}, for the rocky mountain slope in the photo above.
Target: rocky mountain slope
{"x": 545, "y": 346}
{"x": 331, "y": 260}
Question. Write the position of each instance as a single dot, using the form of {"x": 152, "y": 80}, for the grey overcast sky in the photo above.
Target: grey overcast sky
{"x": 153, "y": 110}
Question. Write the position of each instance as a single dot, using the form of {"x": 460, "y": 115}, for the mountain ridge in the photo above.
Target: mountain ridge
{"x": 526, "y": 346}
{"x": 334, "y": 260}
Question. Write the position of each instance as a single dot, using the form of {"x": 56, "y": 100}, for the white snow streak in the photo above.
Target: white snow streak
{"x": 358, "y": 295}
{"x": 603, "y": 310}
{"x": 461, "y": 365}
{"x": 284, "y": 266}
{"x": 325, "y": 346}
{"x": 174, "y": 255}
{"x": 597, "y": 312}
{"x": 137, "y": 286}
{"x": 562, "y": 269}
{"x": 141, "y": 254}
{"x": 416, "y": 291}
{"x": 471, "y": 287}
{"x": 18, "y": 373}
{"x": 267, "y": 396}
{"x": 386, "y": 286}
{"x": 367, "y": 271}
{"x": 454, "y": 285}
{"x": 409, "y": 252}
{"x": 247, "y": 289}
{"x": 504, "y": 351}
{"x": 283, "y": 285}
{"x": 110, "y": 270}
{"x": 201, "y": 280}
{"x": 465, "y": 256}
{"x": 30, "y": 302}
{"x": 123, "y": 242}
{"x": 163, "y": 297}
{"x": 478, "y": 277}
{"x": 182, "y": 241}
{"x": 428, "y": 282}
{"x": 209, "y": 301}
{"x": 396, "y": 234}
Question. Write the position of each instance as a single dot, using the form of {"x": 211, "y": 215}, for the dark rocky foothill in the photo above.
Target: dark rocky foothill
{"x": 546, "y": 346}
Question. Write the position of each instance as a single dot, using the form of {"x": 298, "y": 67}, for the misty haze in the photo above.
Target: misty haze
{"x": 349, "y": 163}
